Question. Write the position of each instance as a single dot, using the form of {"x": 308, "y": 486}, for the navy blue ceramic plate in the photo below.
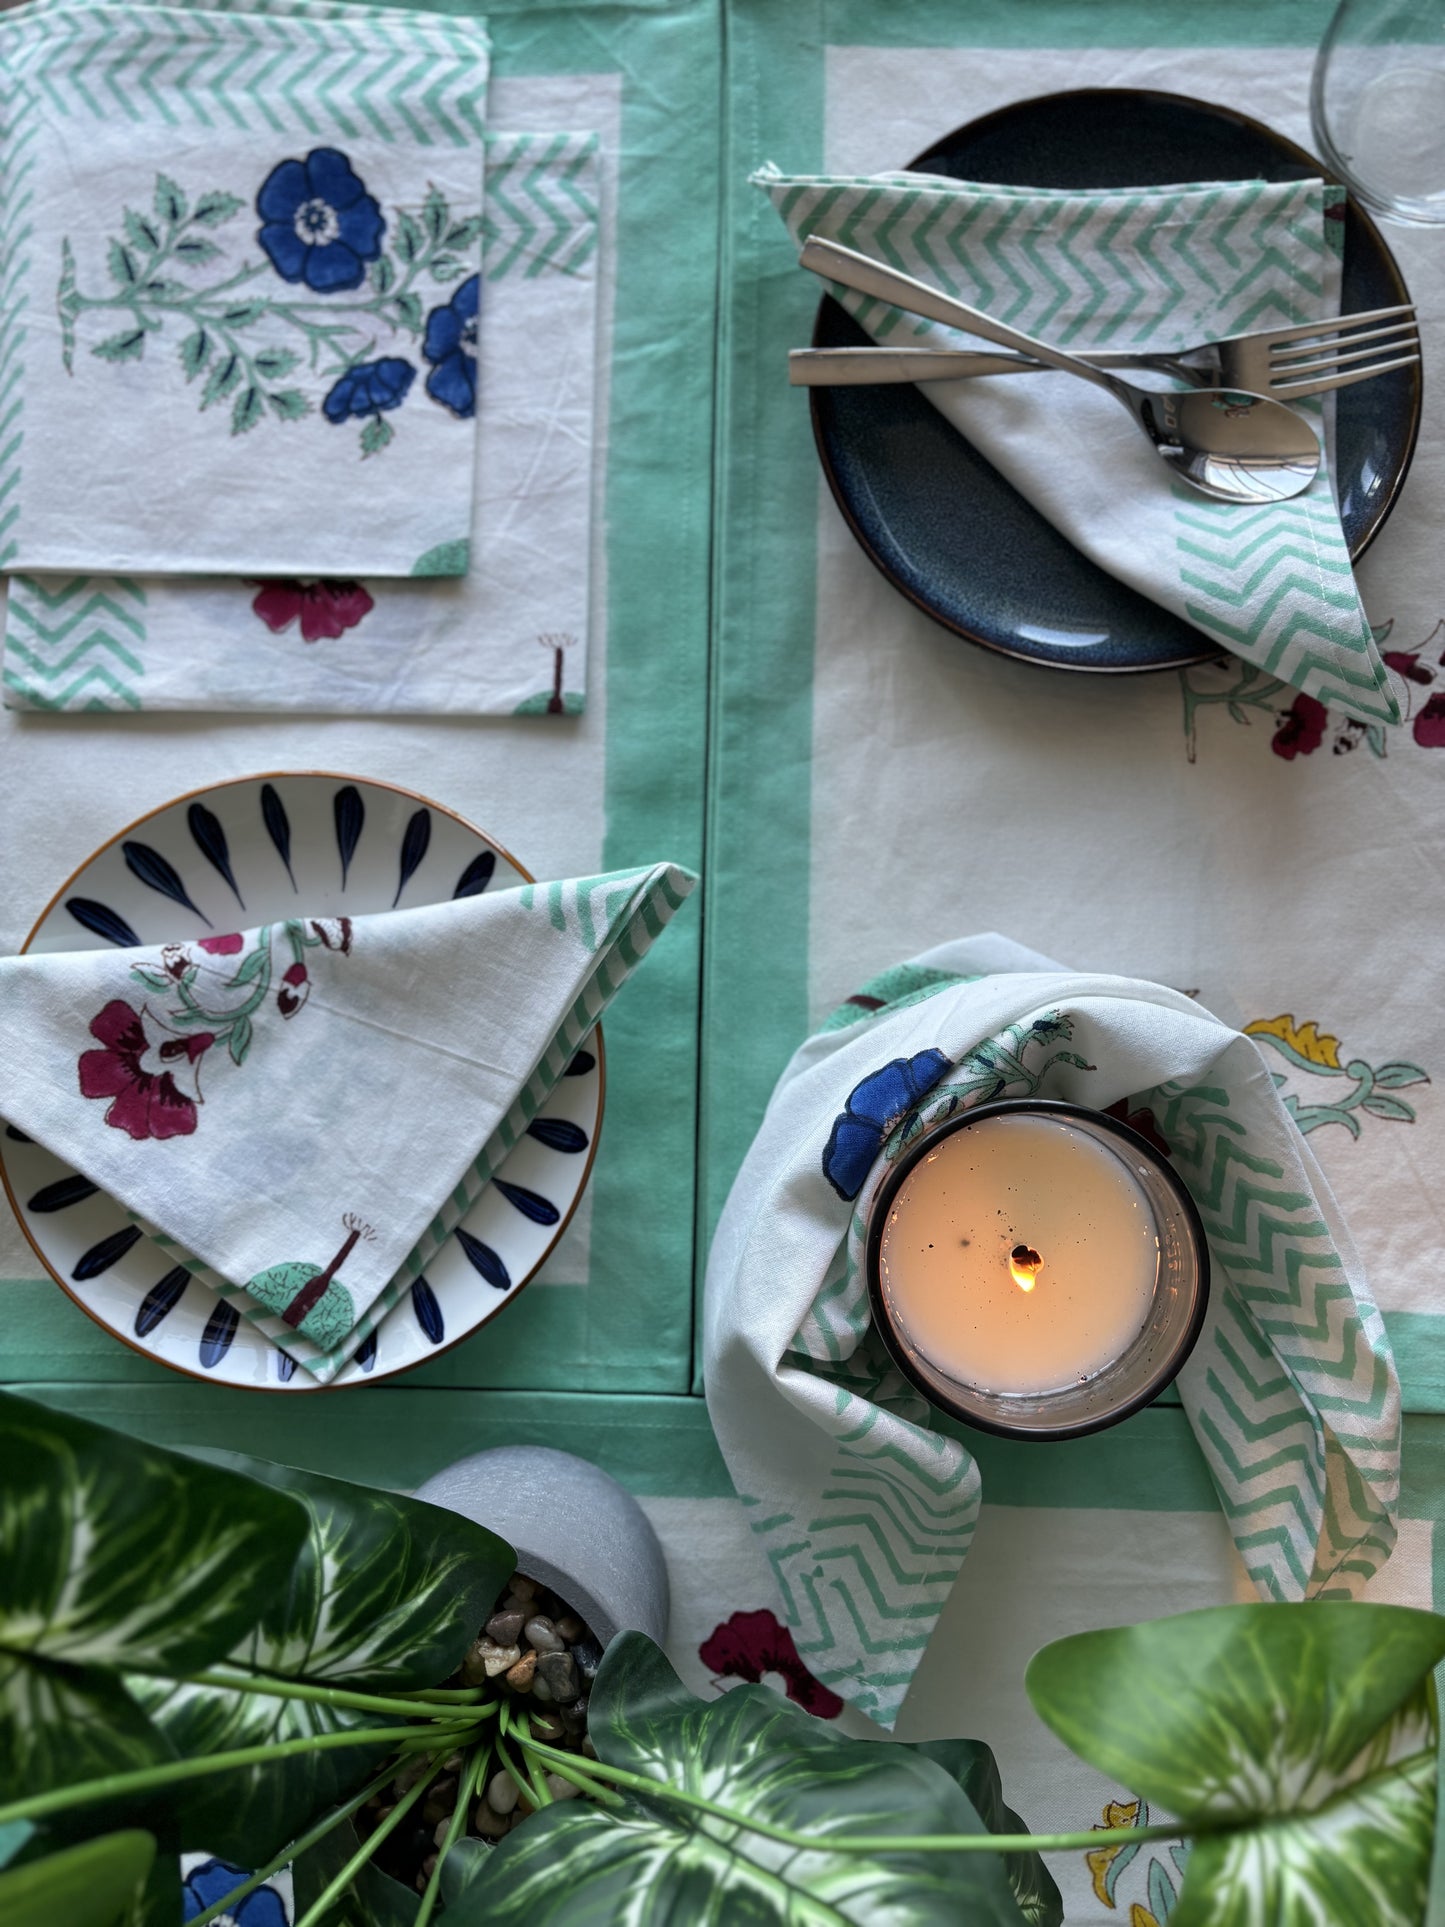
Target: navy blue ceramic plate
{"x": 948, "y": 531}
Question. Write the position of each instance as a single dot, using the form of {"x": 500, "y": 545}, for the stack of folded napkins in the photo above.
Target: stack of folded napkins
{"x": 267, "y": 444}
{"x": 306, "y": 1111}
{"x": 1157, "y": 268}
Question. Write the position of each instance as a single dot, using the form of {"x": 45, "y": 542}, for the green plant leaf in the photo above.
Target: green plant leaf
{"x": 1391, "y": 1107}
{"x": 195, "y": 250}
{"x": 128, "y": 345}
{"x": 1394, "y": 1077}
{"x": 225, "y": 373}
{"x": 377, "y": 435}
{"x": 289, "y": 404}
{"x": 387, "y": 1594}
{"x": 195, "y": 353}
{"x": 62, "y": 1724}
{"x": 383, "y": 274}
{"x": 170, "y": 203}
{"x": 409, "y": 307}
{"x": 116, "y": 1553}
{"x": 435, "y": 214}
{"x": 410, "y": 241}
{"x": 466, "y": 1862}
{"x": 248, "y": 409}
{"x": 216, "y": 207}
{"x": 370, "y": 1898}
{"x": 98, "y": 1884}
{"x": 465, "y": 234}
{"x": 1306, "y": 1733}
{"x": 273, "y": 363}
{"x": 972, "y": 1765}
{"x": 756, "y": 1754}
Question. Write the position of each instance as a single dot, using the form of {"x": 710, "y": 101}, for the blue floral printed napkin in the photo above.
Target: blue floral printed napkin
{"x": 306, "y": 1111}
{"x": 1136, "y": 268}
{"x": 865, "y": 1511}
{"x": 507, "y": 638}
{"x": 239, "y": 259}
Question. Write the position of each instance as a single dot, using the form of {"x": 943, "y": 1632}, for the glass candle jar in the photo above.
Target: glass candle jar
{"x": 1036, "y": 1269}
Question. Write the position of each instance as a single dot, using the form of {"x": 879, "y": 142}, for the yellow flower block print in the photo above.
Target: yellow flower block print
{"x": 1306, "y": 1040}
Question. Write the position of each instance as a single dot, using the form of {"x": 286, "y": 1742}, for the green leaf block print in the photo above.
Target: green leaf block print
{"x": 329, "y": 1319}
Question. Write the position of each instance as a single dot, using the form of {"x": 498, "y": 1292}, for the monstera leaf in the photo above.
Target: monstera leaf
{"x": 100, "y": 1883}
{"x": 113, "y": 1555}
{"x": 1301, "y": 1738}
{"x": 386, "y": 1595}
{"x": 655, "y": 1862}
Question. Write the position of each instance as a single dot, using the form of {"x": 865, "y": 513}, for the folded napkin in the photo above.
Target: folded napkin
{"x": 238, "y": 256}
{"x": 310, "y": 1108}
{"x": 509, "y": 636}
{"x": 865, "y": 1512}
{"x": 1135, "y": 268}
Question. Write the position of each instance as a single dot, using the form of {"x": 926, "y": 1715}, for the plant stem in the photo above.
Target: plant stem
{"x": 452, "y": 1695}
{"x": 296, "y": 1848}
{"x": 578, "y": 1775}
{"x": 373, "y": 1840}
{"x": 875, "y": 1843}
{"x": 466, "y": 1792}
{"x": 331, "y": 1696}
{"x": 520, "y": 1769}
{"x": 173, "y": 1772}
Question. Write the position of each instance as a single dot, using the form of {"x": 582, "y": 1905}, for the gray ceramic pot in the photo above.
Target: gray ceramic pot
{"x": 574, "y": 1527}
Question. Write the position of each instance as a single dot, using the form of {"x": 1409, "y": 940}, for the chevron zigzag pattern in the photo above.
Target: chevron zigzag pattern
{"x": 1299, "y": 1414}
{"x": 864, "y": 1578}
{"x": 296, "y": 73}
{"x": 541, "y": 207}
{"x": 75, "y": 644}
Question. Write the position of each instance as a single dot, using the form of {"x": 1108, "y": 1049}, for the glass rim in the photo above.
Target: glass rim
{"x": 1166, "y": 1369}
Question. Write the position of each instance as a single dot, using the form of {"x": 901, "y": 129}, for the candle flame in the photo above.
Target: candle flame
{"x": 1024, "y": 1265}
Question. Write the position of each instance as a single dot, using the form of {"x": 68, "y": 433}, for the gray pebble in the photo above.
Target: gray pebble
{"x": 561, "y": 1789}
{"x": 542, "y": 1691}
{"x": 505, "y": 1627}
{"x": 560, "y": 1674}
{"x": 489, "y": 1824}
{"x": 570, "y": 1627}
{"x": 542, "y": 1634}
{"x": 502, "y": 1792}
{"x": 574, "y": 1717}
{"x": 588, "y": 1655}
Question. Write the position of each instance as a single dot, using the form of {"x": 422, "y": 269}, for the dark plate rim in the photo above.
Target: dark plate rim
{"x": 817, "y": 399}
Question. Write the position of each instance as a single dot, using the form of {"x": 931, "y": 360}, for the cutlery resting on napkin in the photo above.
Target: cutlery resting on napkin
{"x": 1155, "y": 268}
{"x": 306, "y": 1110}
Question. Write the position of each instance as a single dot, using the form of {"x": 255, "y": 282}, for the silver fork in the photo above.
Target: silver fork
{"x": 1290, "y": 363}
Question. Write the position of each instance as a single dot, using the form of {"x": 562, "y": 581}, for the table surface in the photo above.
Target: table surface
{"x": 855, "y": 785}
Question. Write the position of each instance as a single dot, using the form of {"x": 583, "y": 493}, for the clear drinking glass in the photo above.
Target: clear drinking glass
{"x": 1378, "y": 104}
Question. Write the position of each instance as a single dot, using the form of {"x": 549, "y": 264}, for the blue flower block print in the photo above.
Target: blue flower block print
{"x": 213, "y": 1880}
{"x": 451, "y": 346}
{"x": 874, "y": 1108}
{"x": 369, "y": 388}
{"x": 320, "y": 226}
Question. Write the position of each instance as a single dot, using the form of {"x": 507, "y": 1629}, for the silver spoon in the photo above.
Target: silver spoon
{"x": 1228, "y": 444}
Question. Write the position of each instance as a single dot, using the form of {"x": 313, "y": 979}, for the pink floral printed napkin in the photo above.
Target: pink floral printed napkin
{"x": 304, "y": 1108}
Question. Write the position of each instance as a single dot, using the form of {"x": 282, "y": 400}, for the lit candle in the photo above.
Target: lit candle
{"x": 1022, "y": 1253}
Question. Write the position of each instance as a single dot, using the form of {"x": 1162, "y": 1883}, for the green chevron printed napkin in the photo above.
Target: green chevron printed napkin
{"x": 238, "y": 288}
{"x": 864, "y": 1511}
{"x": 1141, "y": 268}
{"x": 304, "y": 1113}
{"x": 508, "y": 637}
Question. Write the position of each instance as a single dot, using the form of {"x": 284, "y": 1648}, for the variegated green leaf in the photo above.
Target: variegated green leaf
{"x": 1302, "y": 1735}
{"x": 387, "y": 1594}
{"x": 370, "y": 1898}
{"x": 972, "y": 1764}
{"x": 756, "y": 1754}
{"x": 98, "y": 1884}
{"x": 61, "y": 1724}
{"x": 117, "y": 1553}
{"x": 248, "y": 1815}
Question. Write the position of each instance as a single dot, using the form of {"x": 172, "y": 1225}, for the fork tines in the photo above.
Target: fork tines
{"x": 1314, "y": 356}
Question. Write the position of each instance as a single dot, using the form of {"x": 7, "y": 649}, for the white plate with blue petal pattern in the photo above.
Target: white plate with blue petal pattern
{"x": 230, "y": 857}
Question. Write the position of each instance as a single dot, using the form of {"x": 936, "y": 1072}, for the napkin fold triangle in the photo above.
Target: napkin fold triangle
{"x": 304, "y": 1106}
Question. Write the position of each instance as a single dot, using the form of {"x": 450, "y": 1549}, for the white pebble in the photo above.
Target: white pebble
{"x": 502, "y": 1792}
{"x": 561, "y": 1789}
